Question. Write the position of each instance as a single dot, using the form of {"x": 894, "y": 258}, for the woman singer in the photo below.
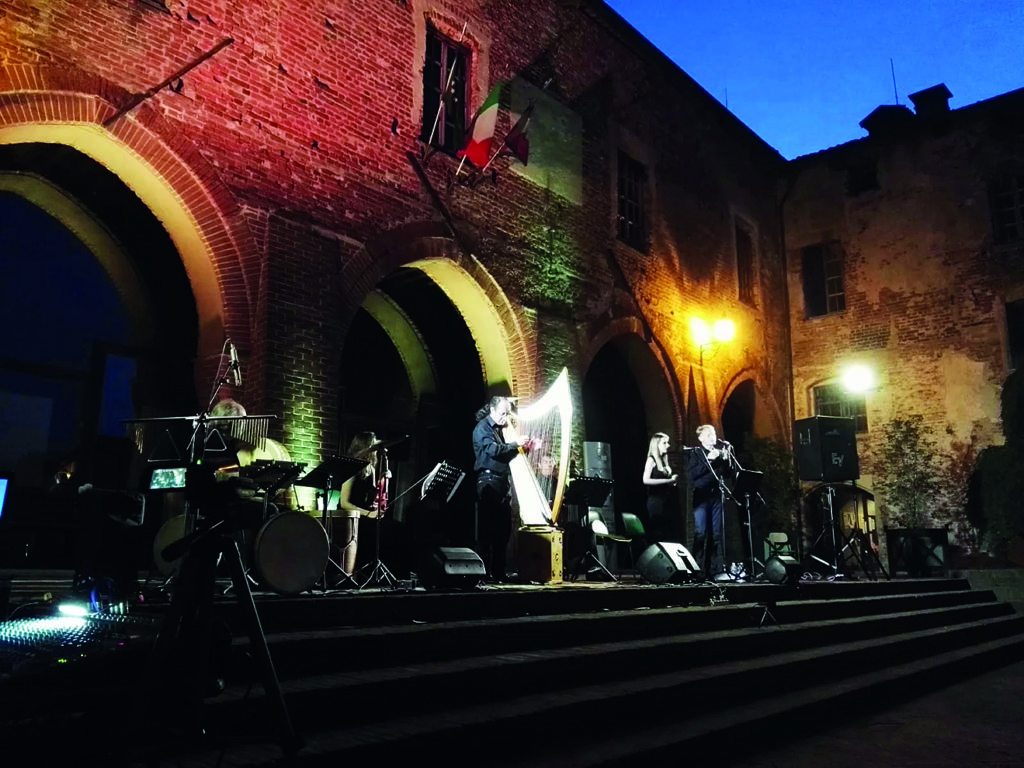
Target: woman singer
{"x": 663, "y": 520}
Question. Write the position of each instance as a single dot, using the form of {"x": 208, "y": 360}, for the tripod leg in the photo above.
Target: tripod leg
{"x": 590, "y": 557}
{"x": 290, "y": 741}
{"x": 178, "y": 665}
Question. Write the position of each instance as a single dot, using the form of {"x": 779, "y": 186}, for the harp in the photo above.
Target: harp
{"x": 539, "y": 477}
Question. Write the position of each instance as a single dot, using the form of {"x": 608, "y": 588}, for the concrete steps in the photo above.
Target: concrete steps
{"x": 608, "y": 687}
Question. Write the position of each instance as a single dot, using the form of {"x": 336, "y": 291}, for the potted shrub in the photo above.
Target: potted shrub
{"x": 908, "y": 478}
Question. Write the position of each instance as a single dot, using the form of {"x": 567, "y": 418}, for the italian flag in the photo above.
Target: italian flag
{"x": 478, "y": 146}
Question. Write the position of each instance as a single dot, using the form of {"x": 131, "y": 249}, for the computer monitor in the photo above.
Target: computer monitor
{"x": 4, "y": 485}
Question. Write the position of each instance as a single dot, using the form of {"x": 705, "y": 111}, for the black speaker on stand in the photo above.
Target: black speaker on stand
{"x": 826, "y": 448}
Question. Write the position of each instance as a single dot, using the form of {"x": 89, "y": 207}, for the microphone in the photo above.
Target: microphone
{"x": 235, "y": 366}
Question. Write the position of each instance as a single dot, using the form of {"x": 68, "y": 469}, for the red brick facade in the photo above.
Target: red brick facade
{"x": 283, "y": 169}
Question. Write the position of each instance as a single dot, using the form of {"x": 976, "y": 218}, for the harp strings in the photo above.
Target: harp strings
{"x": 543, "y": 459}
{"x": 540, "y": 478}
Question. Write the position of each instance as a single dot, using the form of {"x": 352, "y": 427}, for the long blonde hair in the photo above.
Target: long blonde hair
{"x": 660, "y": 459}
{"x": 361, "y": 442}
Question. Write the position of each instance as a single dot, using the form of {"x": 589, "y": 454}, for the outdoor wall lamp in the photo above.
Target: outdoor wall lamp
{"x": 710, "y": 337}
{"x": 857, "y": 378}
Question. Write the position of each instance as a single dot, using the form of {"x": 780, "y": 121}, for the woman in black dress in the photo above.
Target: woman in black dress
{"x": 663, "y": 520}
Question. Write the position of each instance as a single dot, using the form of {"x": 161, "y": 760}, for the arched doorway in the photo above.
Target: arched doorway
{"x": 421, "y": 356}
{"x": 626, "y": 398}
{"x": 738, "y": 414}
{"x": 99, "y": 326}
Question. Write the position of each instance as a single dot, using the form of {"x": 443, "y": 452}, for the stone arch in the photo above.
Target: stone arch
{"x": 497, "y": 326}
{"x": 655, "y": 362}
{"x": 97, "y": 240}
{"x": 780, "y": 429}
{"x": 50, "y": 105}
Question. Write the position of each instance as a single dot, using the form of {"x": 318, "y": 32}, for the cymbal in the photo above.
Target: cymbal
{"x": 378, "y": 446}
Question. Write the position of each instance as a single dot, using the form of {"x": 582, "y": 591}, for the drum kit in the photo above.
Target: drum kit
{"x": 286, "y": 552}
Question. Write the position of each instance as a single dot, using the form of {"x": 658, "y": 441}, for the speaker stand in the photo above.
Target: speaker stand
{"x": 767, "y": 614}
{"x": 828, "y": 525}
{"x": 583, "y": 560}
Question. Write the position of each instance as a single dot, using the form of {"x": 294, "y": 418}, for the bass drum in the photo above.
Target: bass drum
{"x": 171, "y": 531}
{"x": 290, "y": 553}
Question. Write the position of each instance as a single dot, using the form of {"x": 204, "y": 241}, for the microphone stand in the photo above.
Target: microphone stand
{"x": 180, "y": 660}
{"x": 379, "y": 574}
{"x": 723, "y": 490}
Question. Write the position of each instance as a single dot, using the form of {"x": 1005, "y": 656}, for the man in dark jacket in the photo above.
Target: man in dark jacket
{"x": 706, "y": 464}
{"x": 493, "y": 488}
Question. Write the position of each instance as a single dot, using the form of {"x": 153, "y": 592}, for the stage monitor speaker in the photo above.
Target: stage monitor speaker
{"x": 782, "y": 569}
{"x": 451, "y": 568}
{"x": 667, "y": 562}
{"x": 826, "y": 448}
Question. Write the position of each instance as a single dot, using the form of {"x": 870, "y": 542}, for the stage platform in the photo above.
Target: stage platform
{"x": 580, "y": 673}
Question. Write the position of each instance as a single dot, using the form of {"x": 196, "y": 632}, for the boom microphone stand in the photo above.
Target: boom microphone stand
{"x": 379, "y": 574}
{"x": 723, "y": 491}
{"x": 329, "y": 476}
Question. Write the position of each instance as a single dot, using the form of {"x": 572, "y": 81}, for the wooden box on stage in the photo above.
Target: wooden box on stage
{"x": 539, "y": 554}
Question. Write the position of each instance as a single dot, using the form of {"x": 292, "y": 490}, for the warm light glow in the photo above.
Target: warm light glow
{"x": 483, "y": 310}
{"x": 858, "y": 378}
{"x": 155, "y": 190}
{"x": 725, "y": 330}
{"x": 709, "y": 338}
{"x": 701, "y": 332}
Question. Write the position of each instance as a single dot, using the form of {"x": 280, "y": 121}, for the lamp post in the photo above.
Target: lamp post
{"x": 710, "y": 337}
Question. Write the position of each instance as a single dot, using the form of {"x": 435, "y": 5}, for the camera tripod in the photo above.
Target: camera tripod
{"x": 180, "y": 664}
{"x": 181, "y": 658}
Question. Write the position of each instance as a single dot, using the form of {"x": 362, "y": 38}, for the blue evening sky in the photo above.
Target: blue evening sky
{"x": 803, "y": 73}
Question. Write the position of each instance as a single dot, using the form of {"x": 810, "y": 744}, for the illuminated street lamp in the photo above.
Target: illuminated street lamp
{"x": 857, "y": 378}
{"x": 710, "y": 338}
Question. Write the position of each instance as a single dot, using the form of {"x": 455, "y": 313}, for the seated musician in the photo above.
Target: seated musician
{"x": 358, "y": 498}
{"x": 238, "y": 453}
{"x": 547, "y": 476}
{"x": 241, "y": 451}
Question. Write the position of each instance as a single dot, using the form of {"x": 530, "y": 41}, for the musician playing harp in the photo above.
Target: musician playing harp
{"x": 493, "y": 489}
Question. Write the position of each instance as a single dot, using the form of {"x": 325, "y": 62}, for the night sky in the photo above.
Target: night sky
{"x": 803, "y": 73}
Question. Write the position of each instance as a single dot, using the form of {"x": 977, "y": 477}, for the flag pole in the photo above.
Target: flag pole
{"x": 501, "y": 146}
{"x": 447, "y": 88}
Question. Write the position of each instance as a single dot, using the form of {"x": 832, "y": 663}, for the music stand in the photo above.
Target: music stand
{"x": 589, "y": 492}
{"x": 442, "y": 482}
{"x": 748, "y": 483}
{"x": 329, "y": 475}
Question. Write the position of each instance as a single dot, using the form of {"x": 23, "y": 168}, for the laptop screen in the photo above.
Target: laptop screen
{"x": 3, "y": 493}
{"x": 167, "y": 478}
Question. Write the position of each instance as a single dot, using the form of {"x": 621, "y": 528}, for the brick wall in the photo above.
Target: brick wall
{"x": 288, "y": 151}
{"x": 925, "y": 283}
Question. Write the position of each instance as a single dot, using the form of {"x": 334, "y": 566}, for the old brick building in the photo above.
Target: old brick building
{"x": 290, "y": 188}
{"x": 905, "y": 256}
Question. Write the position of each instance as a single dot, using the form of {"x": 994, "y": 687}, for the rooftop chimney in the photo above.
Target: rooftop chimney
{"x": 887, "y": 120}
{"x": 931, "y": 102}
